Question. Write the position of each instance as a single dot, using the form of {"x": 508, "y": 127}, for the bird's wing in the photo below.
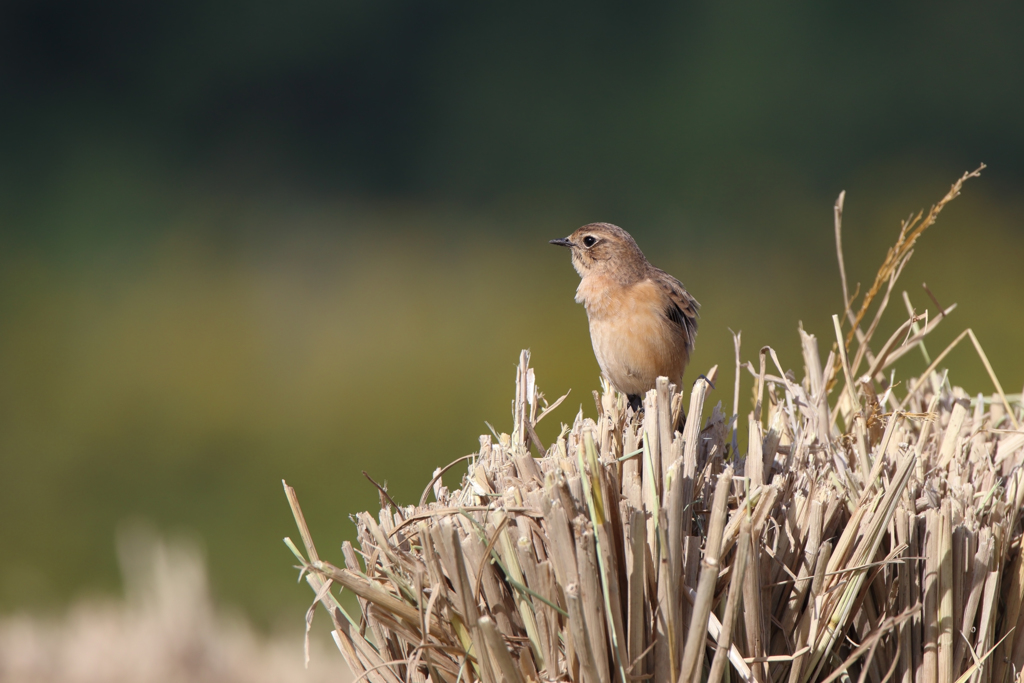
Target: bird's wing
{"x": 682, "y": 309}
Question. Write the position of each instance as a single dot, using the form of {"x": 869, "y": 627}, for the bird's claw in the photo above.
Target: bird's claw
{"x": 704, "y": 377}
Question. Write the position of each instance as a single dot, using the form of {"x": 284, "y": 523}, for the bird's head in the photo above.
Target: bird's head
{"x": 605, "y": 249}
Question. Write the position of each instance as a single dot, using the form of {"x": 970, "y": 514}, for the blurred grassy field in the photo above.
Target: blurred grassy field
{"x": 179, "y": 379}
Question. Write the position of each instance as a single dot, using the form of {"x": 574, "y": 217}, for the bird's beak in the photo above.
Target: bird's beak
{"x": 562, "y": 242}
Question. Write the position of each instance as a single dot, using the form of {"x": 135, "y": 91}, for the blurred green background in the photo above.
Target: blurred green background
{"x": 247, "y": 241}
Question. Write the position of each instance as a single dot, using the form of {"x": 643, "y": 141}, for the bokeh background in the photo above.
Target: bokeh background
{"x": 247, "y": 241}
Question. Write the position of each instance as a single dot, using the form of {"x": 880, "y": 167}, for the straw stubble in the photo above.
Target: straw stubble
{"x": 868, "y": 532}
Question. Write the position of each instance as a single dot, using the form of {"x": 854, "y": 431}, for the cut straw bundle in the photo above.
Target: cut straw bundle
{"x": 871, "y": 536}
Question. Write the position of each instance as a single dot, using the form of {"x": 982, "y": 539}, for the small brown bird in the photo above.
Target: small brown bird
{"x": 642, "y": 320}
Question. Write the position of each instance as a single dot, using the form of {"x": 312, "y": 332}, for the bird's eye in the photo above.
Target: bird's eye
{"x": 589, "y": 241}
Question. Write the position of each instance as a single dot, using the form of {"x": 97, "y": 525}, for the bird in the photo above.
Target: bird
{"x": 643, "y": 322}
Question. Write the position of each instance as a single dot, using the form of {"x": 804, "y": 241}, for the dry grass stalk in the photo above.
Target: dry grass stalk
{"x": 899, "y": 253}
{"x": 875, "y": 537}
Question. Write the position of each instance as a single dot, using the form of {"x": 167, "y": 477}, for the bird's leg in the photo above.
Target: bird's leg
{"x": 635, "y": 403}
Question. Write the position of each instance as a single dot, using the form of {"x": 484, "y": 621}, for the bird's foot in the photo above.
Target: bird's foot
{"x": 705, "y": 378}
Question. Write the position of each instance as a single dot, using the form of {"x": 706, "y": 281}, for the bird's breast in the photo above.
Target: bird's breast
{"x": 633, "y": 339}
{"x": 606, "y": 299}
{"x": 603, "y": 297}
